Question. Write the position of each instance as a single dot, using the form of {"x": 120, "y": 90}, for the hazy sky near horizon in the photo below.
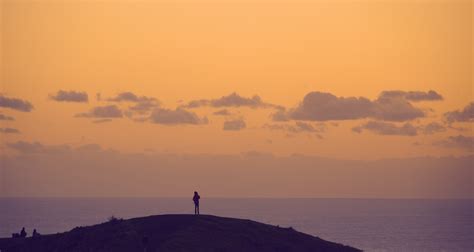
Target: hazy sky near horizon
{"x": 355, "y": 80}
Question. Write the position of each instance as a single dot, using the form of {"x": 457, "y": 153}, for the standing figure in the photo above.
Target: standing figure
{"x": 35, "y": 233}
{"x": 23, "y": 233}
{"x": 196, "y": 202}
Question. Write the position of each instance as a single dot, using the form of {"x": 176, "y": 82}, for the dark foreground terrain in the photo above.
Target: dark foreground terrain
{"x": 175, "y": 233}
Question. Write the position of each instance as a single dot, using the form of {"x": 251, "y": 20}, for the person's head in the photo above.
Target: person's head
{"x": 195, "y": 193}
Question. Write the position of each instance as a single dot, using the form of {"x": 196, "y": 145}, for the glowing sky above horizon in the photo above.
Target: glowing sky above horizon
{"x": 338, "y": 79}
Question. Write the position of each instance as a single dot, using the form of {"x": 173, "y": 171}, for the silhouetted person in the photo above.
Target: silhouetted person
{"x": 35, "y": 234}
{"x": 196, "y": 202}
{"x": 23, "y": 233}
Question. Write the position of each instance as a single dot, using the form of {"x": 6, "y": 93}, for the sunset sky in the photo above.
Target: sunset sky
{"x": 331, "y": 80}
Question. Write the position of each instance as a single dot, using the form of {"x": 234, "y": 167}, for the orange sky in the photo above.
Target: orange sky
{"x": 184, "y": 50}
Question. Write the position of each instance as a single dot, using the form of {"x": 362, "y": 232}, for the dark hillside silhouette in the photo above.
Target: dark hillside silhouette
{"x": 175, "y": 233}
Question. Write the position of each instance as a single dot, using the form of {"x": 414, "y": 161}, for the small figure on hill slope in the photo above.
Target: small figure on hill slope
{"x": 23, "y": 233}
{"x": 35, "y": 233}
{"x": 196, "y": 202}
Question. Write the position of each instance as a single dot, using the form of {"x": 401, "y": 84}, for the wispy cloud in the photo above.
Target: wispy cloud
{"x": 464, "y": 115}
{"x": 174, "y": 117}
{"x": 6, "y": 118}
{"x": 109, "y": 111}
{"x": 141, "y": 103}
{"x": 222, "y": 112}
{"x": 459, "y": 141}
{"x": 9, "y": 131}
{"x": 232, "y": 100}
{"x": 414, "y": 96}
{"x": 15, "y": 103}
{"x": 70, "y": 96}
{"x": 298, "y": 127}
{"x": 384, "y": 128}
{"x": 234, "y": 125}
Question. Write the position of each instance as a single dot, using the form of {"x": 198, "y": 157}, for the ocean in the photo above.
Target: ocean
{"x": 368, "y": 224}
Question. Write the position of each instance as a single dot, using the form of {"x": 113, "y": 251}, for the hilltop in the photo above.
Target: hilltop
{"x": 175, "y": 233}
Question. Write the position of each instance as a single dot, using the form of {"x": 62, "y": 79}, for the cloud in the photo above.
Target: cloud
{"x": 414, "y": 96}
{"x": 36, "y": 147}
{"x": 459, "y": 141}
{"x": 26, "y": 147}
{"x": 235, "y": 125}
{"x": 384, "y": 128}
{"x": 298, "y": 127}
{"x": 9, "y": 131}
{"x": 465, "y": 115}
{"x": 307, "y": 127}
{"x": 6, "y": 118}
{"x": 102, "y": 120}
{"x": 395, "y": 109}
{"x": 222, "y": 112}
{"x": 232, "y": 100}
{"x": 178, "y": 116}
{"x": 142, "y": 103}
{"x": 319, "y": 106}
{"x": 432, "y": 128}
{"x": 70, "y": 96}
{"x": 16, "y": 104}
{"x": 109, "y": 111}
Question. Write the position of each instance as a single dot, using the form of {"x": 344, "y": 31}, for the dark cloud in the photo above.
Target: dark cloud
{"x": 465, "y": 115}
{"x": 222, "y": 112}
{"x": 433, "y": 127}
{"x": 384, "y": 128}
{"x": 459, "y": 141}
{"x": 298, "y": 127}
{"x": 414, "y": 96}
{"x": 395, "y": 109}
{"x": 125, "y": 97}
{"x": 6, "y": 118}
{"x": 16, "y": 104}
{"x": 110, "y": 111}
{"x": 70, "y": 96}
{"x": 237, "y": 124}
{"x": 307, "y": 127}
{"x": 9, "y": 131}
{"x": 36, "y": 147}
{"x": 129, "y": 97}
{"x": 178, "y": 116}
{"x": 232, "y": 100}
{"x": 142, "y": 103}
{"x": 319, "y": 106}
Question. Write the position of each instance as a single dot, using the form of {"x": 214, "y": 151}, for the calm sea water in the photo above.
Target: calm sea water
{"x": 369, "y": 224}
